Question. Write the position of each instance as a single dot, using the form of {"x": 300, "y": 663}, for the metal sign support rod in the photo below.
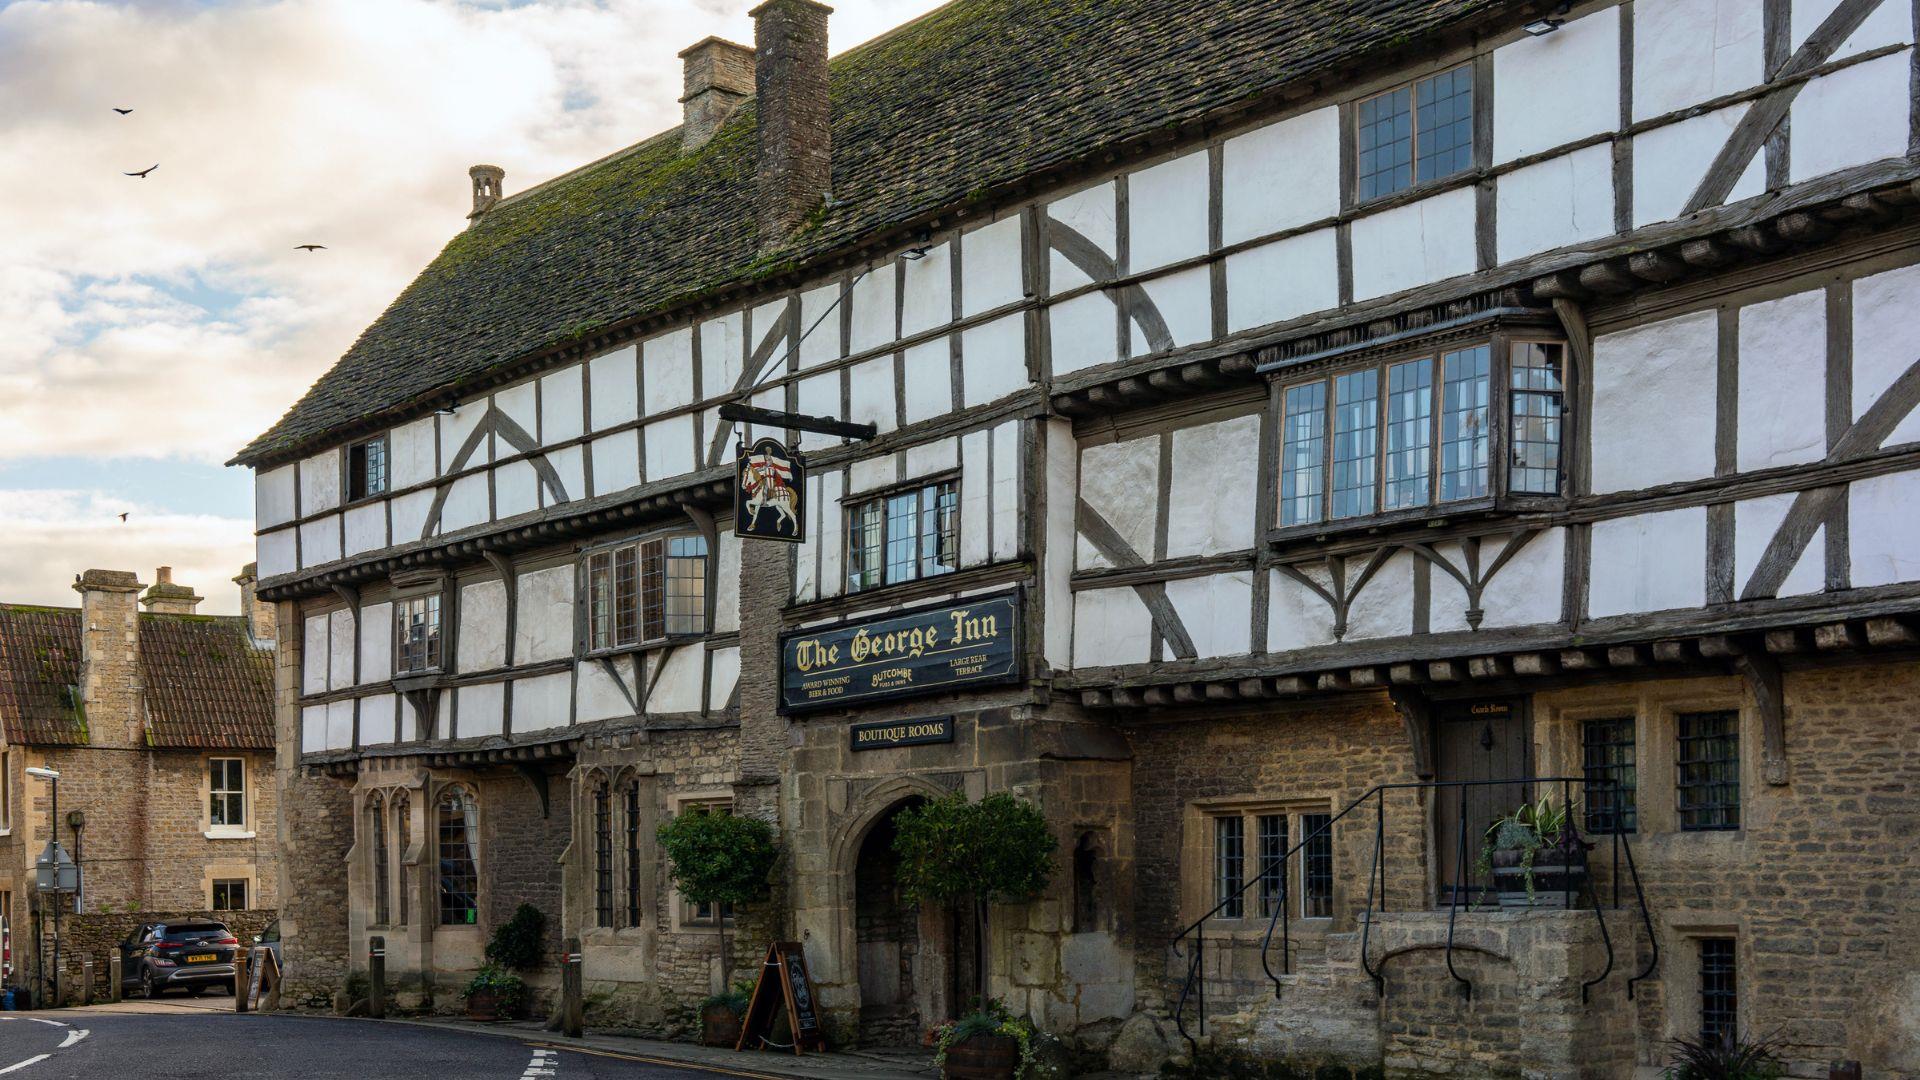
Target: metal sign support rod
{"x": 822, "y": 425}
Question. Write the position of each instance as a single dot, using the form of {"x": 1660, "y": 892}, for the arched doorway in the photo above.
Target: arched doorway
{"x": 904, "y": 952}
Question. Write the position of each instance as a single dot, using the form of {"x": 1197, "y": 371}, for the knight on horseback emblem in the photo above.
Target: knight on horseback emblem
{"x": 770, "y": 493}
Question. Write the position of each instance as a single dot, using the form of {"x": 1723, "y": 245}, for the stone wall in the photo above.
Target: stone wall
{"x": 96, "y": 936}
{"x": 315, "y": 834}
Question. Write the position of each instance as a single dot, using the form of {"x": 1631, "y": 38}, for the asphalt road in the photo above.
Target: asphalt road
{"x": 161, "y": 1041}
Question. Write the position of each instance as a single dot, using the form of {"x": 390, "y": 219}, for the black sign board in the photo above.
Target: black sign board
{"x": 972, "y": 643}
{"x": 783, "y": 982}
{"x": 891, "y": 733}
{"x": 770, "y": 493}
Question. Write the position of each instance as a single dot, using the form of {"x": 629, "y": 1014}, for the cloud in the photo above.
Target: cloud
{"x": 52, "y": 535}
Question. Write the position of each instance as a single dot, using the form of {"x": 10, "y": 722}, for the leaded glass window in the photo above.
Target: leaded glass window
{"x": 1709, "y": 771}
{"x": 1414, "y": 133}
{"x": 904, "y": 536}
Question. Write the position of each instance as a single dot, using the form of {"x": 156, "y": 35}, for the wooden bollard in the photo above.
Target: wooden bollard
{"x": 86, "y": 981}
{"x": 115, "y": 972}
{"x": 572, "y": 1008}
{"x": 240, "y": 980}
{"x": 377, "y": 977}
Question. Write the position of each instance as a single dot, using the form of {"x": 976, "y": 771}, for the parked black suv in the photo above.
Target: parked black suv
{"x": 194, "y": 955}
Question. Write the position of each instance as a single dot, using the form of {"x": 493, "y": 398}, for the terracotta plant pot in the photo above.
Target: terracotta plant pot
{"x": 483, "y": 1005}
{"x": 1559, "y": 873}
{"x": 982, "y": 1057}
{"x": 719, "y": 1026}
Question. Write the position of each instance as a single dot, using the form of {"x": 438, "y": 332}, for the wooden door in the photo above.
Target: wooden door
{"x": 1477, "y": 740}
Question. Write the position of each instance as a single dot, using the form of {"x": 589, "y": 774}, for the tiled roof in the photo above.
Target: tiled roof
{"x": 976, "y": 95}
{"x": 206, "y": 684}
{"x": 39, "y": 671}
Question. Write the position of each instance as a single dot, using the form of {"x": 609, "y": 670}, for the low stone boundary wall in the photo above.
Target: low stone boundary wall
{"x": 97, "y": 935}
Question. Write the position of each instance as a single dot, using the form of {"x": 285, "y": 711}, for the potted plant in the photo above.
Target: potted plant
{"x": 1704, "y": 1057}
{"x": 1536, "y": 855}
{"x": 720, "y": 1016}
{"x": 495, "y": 994}
{"x": 986, "y": 1044}
{"x": 719, "y": 859}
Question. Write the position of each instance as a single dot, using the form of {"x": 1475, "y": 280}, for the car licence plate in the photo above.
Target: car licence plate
{"x": 201, "y": 958}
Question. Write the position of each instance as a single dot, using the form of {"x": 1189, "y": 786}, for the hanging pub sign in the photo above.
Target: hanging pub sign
{"x": 770, "y": 493}
{"x": 972, "y": 643}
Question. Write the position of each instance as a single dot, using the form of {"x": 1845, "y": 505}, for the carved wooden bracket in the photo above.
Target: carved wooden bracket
{"x": 1417, "y": 713}
{"x": 504, "y": 567}
{"x": 1762, "y": 675}
{"x": 426, "y": 706}
{"x": 537, "y": 776}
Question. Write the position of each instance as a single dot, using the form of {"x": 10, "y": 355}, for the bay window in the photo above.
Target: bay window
{"x": 646, "y": 591}
{"x": 904, "y": 536}
{"x": 416, "y": 634}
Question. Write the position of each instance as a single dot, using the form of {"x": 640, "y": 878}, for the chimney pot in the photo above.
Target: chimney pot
{"x": 794, "y": 163}
{"x": 488, "y": 184}
{"x": 719, "y": 76}
{"x": 163, "y": 575}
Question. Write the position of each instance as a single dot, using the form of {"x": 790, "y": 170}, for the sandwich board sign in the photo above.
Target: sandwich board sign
{"x": 770, "y": 493}
{"x": 783, "y": 982}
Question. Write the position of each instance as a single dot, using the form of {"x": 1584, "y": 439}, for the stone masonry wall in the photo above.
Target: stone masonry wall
{"x": 97, "y": 936}
{"x": 316, "y": 833}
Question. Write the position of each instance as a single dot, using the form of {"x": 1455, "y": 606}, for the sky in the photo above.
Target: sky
{"x": 150, "y": 327}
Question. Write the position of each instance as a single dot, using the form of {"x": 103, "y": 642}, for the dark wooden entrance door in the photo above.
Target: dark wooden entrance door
{"x": 1476, "y": 740}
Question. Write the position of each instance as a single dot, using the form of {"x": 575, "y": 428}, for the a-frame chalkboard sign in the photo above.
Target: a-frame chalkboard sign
{"x": 783, "y": 981}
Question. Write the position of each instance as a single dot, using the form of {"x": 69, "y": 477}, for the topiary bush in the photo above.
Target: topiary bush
{"x": 518, "y": 942}
{"x": 717, "y": 858}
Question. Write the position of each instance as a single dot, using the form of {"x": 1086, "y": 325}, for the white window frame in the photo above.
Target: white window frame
{"x": 228, "y": 830}
{"x": 436, "y": 643}
{"x": 213, "y": 893}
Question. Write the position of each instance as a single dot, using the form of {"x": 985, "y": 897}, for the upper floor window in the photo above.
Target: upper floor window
{"x": 647, "y": 590}
{"x": 6, "y": 790}
{"x": 1418, "y": 431}
{"x": 1414, "y": 133}
{"x": 367, "y": 468}
{"x": 416, "y": 634}
{"x": 904, "y": 536}
{"x": 227, "y": 785}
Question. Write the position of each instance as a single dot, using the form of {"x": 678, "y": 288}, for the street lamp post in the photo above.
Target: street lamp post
{"x": 52, "y": 776}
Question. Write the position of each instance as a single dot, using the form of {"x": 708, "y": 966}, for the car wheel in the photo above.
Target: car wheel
{"x": 146, "y": 986}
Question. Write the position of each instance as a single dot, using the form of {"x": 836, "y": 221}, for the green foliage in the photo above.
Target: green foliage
{"x": 518, "y": 942}
{"x": 997, "y": 849}
{"x": 735, "y": 999}
{"x": 509, "y": 990}
{"x": 1233, "y": 1063}
{"x": 718, "y": 858}
{"x": 1531, "y": 829}
{"x": 1702, "y": 1058}
{"x": 992, "y": 1018}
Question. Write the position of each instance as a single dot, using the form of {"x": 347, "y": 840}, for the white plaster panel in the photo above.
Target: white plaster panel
{"x": 669, "y": 447}
{"x": 1384, "y": 606}
{"x": 1281, "y": 176}
{"x": 681, "y": 681}
{"x": 928, "y": 458}
{"x": 561, "y": 405}
{"x": 1185, "y": 303}
{"x": 823, "y": 344}
{"x": 1217, "y": 612}
{"x": 340, "y": 648}
{"x": 1853, "y": 116}
{"x": 320, "y": 541}
{"x": 378, "y": 720}
{"x": 1006, "y": 490}
{"x": 1280, "y": 281}
{"x": 412, "y": 728}
{"x": 926, "y": 292}
{"x": 1689, "y": 51}
{"x": 1649, "y": 562}
{"x": 543, "y": 615}
{"x": 542, "y": 703}
{"x": 806, "y": 555}
{"x": 1084, "y": 332}
{"x": 443, "y": 718}
{"x": 313, "y": 729}
{"x": 723, "y": 676}
{"x": 1213, "y": 483}
{"x": 376, "y": 643}
{"x": 929, "y": 383}
{"x": 483, "y": 626}
{"x": 1428, "y": 240}
{"x": 975, "y": 484}
{"x": 993, "y": 360}
{"x": 1528, "y": 590}
{"x": 616, "y": 461}
{"x": 366, "y": 527}
{"x": 601, "y": 695}
{"x": 612, "y": 386}
{"x": 1783, "y": 382}
{"x": 873, "y": 309}
{"x": 467, "y": 503}
{"x": 1167, "y": 212}
{"x": 320, "y": 482}
{"x": 569, "y": 464}
{"x": 516, "y": 403}
{"x": 1653, "y": 403}
{"x": 410, "y": 453}
{"x": 868, "y": 473}
{"x": 314, "y": 655}
{"x": 990, "y": 267}
{"x": 1560, "y": 201}
{"x": 1880, "y": 532}
{"x": 819, "y": 395}
{"x": 1669, "y": 163}
{"x": 1883, "y": 342}
{"x": 516, "y": 490}
{"x": 410, "y": 515}
{"x": 1297, "y": 618}
{"x": 667, "y": 374}
{"x": 1554, "y": 89}
{"x": 722, "y": 353}
{"x": 1110, "y": 626}
{"x": 771, "y": 320}
{"x": 1062, "y": 478}
{"x": 1093, "y": 215}
{"x": 273, "y": 497}
{"x": 1890, "y": 23}
{"x": 275, "y": 554}
{"x": 1754, "y": 523}
{"x": 726, "y": 601}
{"x": 339, "y": 725}
{"x": 482, "y": 710}
{"x": 456, "y": 428}
{"x": 830, "y": 533}
{"x": 1121, "y": 481}
{"x": 870, "y": 393}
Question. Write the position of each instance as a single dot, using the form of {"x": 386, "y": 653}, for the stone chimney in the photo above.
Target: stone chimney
{"x": 794, "y": 164}
{"x": 110, "y": 656}
{"x": 719, "y": 78}
{"x": 489, "y": 182}
{"x": 166, "y": 598}
{"x": 259, "y": 614}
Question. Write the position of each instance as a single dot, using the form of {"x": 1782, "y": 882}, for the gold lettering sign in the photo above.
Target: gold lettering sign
{"x": 976, "y": 642}
{"x": 887, "y": 734}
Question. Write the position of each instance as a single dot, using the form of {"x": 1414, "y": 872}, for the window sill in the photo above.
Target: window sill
{"x": 228, "y": 834}
{"x": 1413, "y": 522}
{"x": 670, "y": 641}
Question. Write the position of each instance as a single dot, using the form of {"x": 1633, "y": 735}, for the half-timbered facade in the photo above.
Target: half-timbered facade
{"x": 1311, "y": 430}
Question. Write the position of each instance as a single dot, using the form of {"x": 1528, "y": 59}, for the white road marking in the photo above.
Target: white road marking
{"x": 55, "y": 1023}
{"x": 23, "y": 1064}
{"x": 540, "y": 1066}
{"x": 73, "y": 1037}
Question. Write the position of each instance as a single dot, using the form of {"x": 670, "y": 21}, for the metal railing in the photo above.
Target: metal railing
{"x": 1193, "y": 937}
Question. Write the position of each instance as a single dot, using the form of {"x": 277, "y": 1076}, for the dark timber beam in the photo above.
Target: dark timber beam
{"x": 1762, "y": 675}
{"x": 1417, "y": 714}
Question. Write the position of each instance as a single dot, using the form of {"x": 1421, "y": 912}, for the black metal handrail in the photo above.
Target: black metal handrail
{"x": 1193, "y": 986}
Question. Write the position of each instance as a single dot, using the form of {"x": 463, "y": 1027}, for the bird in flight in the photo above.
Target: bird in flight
{"x": 121, "y": 111}
{"x": 142, "y": 174}
{"x": 123, "y": 519}
{"x": 309, "y": 248}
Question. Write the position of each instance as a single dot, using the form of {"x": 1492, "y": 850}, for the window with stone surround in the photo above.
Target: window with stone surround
{"x": 382, "y": 856}
{"x": 1256, "y": 869}
{"x": 227, "y": 795}
{"x": 1719, "y": 996}
{"x": 367, "y": 469}
{"x": 633, "y": 853}
{"x": 457, "y": 837}
{"x": 416, "y": 634}
{"x": 645, "y": 591}
{"x": 1607, "y": 752}
{"x": 1708, "y": 771}
{"x": 602, "y": 854}
{"x": 229, "y": 894}
{"x": 903, "y": 536}
{"x": 402, "y": 805}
